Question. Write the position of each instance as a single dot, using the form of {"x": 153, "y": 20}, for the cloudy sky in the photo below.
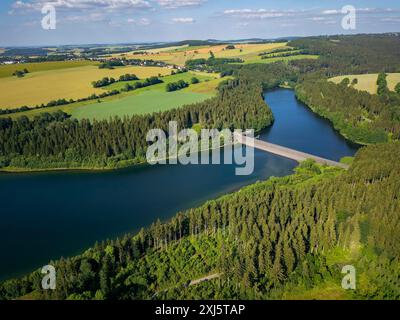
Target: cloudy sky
{"x": 123, "y": 21}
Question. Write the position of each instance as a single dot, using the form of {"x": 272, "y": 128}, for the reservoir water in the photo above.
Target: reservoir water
{"x": 45, "y": 216}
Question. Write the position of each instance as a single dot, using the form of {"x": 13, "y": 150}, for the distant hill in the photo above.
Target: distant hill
{"x": 25, "y": 52}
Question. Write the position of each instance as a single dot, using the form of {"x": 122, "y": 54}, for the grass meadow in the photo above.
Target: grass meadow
{"x": 367, "y": 82}
{"x": 146, "y": 102}
{"x": 151, "y": 99}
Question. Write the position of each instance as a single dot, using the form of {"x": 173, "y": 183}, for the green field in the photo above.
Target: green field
{"x": 146, "y": 102}
{"x": 151, "y": 99}
{"x": 187, "y": 76}
{"x": 143, "y": 100}
{"x": 8, "y": 70}
{"x": 367, "y": 82}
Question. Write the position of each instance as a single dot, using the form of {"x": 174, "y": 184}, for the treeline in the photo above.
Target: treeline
{"x": 142, "y": 84}
{"x": 56, "y": 141}
{"x": 106, "y": 81}
{"x": 270, "y": 240}
{"x": 209, "y": 65}
{"x": 358, "y": 115}
{"x": 278, "y": 50}
{"x": 353, "y": 54}
{"x": 25, "y": 52}
{"x": 128, "y": 77}
{"x": 282, "y": 54}
{"x": 111, "y": 64}
{"x": 103, "y": 82}
{"x": 20, "y": 73}
{"x": 174, "y": 86}
{"x": 61, "y": 102}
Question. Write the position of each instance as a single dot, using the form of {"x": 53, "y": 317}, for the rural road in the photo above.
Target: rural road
{"x": 207, "y": 278}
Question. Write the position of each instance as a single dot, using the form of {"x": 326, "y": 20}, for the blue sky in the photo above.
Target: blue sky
{"x": 124, "y": 21}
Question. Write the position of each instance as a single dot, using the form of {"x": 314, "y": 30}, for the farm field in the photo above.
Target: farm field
{"x": 187, "y": 76}
{"x": 155, "y": 99}
{"x": 151, "y": 99}
{"x": 8, "y": 70}
{"x": 146, "y": 102}
{"x": 72, "y": 83}
{"x": 179, "y": 55}
{"x": 367, "y": 82}
{"x": 275, "y": 59}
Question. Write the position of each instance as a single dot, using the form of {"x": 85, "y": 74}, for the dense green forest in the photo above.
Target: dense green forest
{"x": 281, "y": 238}
{"x": 57, "y": 141}
{"x": 355, "y": 54}
{"x": 275, "y": 239}
{"x": 360, "y": 116}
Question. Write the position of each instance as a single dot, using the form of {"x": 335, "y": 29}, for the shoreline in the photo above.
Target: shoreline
{"x": 340, "y": 132}
{"x": 11, "y": 170}
{"x": 17, "y": 170}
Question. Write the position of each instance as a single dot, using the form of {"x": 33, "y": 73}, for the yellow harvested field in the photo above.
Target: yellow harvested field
{"x": 179, "y": 57}
{"x": 8, "y": 70}
{"x": 73, "y": 83}
{"x": 204, "y": 87}
{"x": 207, "y": 86}
{"x": 367, "y": 82}
{"x": 166, "y": 49}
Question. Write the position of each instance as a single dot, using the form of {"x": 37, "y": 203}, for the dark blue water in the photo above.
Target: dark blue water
{"x": 48, "y": 215}
{"x": 298, "y": 128}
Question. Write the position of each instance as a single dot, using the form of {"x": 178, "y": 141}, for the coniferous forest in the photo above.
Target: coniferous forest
{"x": 275, "y": 239}
{"x": 284, "y": 238}
{"x": 56, "y": 141}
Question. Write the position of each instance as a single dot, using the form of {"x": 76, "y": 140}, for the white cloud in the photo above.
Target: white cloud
{"x": 92, "y": 17}
{"x": 287, "y": 25}
{"x": 331, "y": 11}
{"x": 81, "y": 4}
{"x": 257, "y": 13}
{"x": 183, "y": 20}
{"x": 173, "y": 4}
{"x": 139, "y": 22}
{"x": 391, "y": 19}
{"x": 360, "y": 10}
